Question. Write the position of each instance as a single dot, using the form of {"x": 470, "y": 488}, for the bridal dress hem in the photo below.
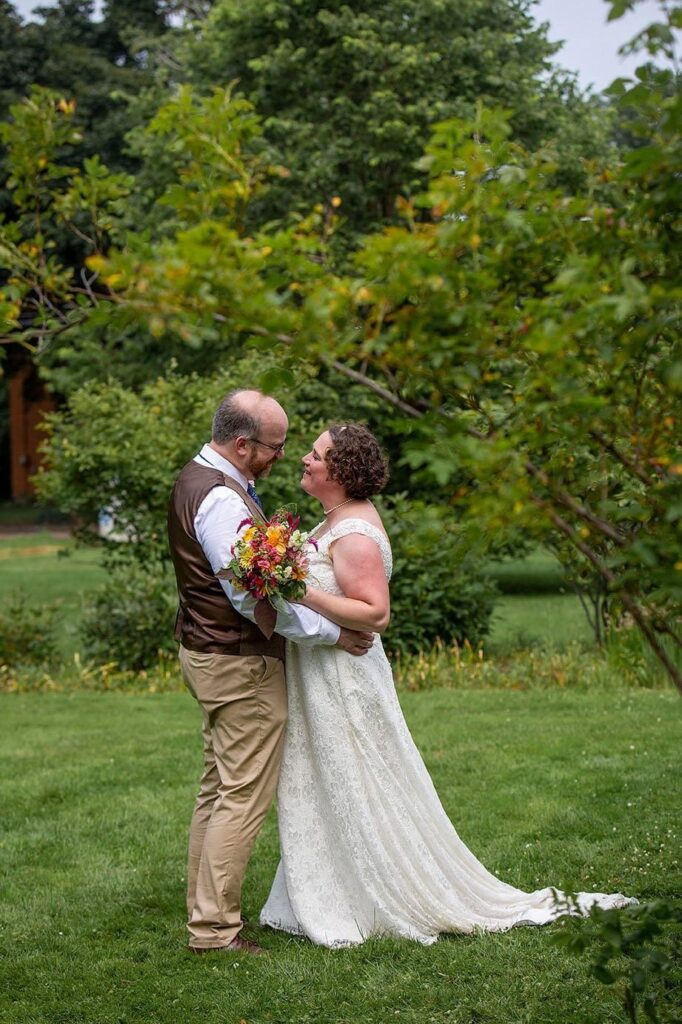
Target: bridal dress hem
{"x": 366, "y": 846}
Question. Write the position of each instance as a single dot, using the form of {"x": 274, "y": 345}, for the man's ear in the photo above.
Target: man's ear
{"x": 241, "y": 445}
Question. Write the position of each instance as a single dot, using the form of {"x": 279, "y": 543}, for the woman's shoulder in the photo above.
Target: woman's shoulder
{"x": 351, "y": 526}
{"x": 369, "y": 524}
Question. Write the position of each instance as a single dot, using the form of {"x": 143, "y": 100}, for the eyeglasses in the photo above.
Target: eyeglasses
{"x": 275, "y": 447}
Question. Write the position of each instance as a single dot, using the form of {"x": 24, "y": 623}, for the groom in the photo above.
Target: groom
{"x": 234, "y": 669}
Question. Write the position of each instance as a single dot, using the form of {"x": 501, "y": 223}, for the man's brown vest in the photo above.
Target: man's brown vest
{"x": 206, "y": 621}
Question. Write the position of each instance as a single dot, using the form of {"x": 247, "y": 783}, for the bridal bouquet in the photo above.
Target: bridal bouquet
{"x": 271, "y": 557}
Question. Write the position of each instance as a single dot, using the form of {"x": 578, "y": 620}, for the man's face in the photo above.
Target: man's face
{"x": 268, "y": 447}
{"x": 261, "y": 461}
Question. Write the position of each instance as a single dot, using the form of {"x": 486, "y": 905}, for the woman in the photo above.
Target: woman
{"x": 366, "y": 845}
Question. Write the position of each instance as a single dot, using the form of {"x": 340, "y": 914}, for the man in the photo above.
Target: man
{"x": 234, "y": 668}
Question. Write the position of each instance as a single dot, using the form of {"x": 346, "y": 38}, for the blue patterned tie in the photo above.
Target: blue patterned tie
{"x": 252, "y": 493}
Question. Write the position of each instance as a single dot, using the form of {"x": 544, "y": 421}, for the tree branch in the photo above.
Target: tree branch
{"x": 354, "y": 375}
{"x": 579, "y": 509}
{"x": 624, "y": 460}
{"x": 627, "y": 599}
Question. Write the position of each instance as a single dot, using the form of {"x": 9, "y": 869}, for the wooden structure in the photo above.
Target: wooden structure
{"x": 27, "y": 402}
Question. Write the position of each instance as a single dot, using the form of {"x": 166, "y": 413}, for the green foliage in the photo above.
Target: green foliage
{"x": 95, "y": 65}
{"x": 570, "y": 668}
{"x": 212, "y": 141}
{"x": 54, "y": 202}
{"x": 529, "y": 572}
{"x": 629, "y": 654}
{"x": 98, "y": 63}
{"x": 532, "y": 666}
{"x": 27, "y": 631}
{"x": 129, "y": 447}
{"x": 130, "y": 620}
{"x": 15, "y": 68}
{"x": 439, "y": 588}
{"x": 636, "y": 950}
{"x": 349, "y": 92}
{"x": 75, "y": 322}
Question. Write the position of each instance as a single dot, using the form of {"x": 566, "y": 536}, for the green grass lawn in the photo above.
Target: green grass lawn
{"x": 538, "y": 572}
{"x": 530, "y": 620}
{"x": 51, "y": 569}
{"x": 576, "y": 789}
{"x": 21, "y": 515}
{"x": 48, "y": 568}
{"x": 536, "y": 606}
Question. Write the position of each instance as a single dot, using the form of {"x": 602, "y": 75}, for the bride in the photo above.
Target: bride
{"x": 366, "y": 847}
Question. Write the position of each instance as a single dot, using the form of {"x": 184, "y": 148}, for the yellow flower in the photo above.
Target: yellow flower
{"x": 275, "y": 537}
{"x": 249, "y": 534}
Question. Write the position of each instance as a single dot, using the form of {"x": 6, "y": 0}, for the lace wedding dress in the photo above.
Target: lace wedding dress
{"x": 366, "y": 847}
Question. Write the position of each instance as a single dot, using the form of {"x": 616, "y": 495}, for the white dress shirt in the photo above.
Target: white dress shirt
{"x": 216, "y": 527}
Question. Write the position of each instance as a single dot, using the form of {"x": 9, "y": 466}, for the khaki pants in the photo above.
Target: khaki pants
{"x": 244, "y": 705}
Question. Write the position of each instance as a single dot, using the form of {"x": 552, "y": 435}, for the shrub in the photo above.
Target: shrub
{"x": 636, "y": 950}
{"x": 440, "y": 589}
{"x": 27, "y": 632}
{"x": 129, "y": 621}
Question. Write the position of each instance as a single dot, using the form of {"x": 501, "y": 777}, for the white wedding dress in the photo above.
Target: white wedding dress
{"x": 366, "y": 847}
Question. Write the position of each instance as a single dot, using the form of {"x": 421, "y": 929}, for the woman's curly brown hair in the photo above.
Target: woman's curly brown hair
{"x": 356, "y": 460}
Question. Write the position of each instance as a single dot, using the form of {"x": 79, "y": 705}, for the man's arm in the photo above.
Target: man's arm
{"x": 216, "y": 523}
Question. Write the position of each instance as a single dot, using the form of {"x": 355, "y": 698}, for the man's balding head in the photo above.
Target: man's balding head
{"x": 245, "y": 421}
{"x": 242, "y": 413}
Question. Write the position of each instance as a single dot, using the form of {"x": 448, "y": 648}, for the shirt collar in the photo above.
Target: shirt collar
{"x": 213, "y": 458}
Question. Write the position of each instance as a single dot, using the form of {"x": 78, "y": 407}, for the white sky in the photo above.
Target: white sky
{"x": 590, "y": 43}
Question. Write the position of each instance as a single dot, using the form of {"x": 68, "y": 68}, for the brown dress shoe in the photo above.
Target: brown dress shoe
{"x": 238, "y": 945}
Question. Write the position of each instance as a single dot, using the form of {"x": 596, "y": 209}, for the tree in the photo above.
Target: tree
{"x": 91, "y": 62}
{"x": 55, "y": 202}
{"x": 533, "y": 341}
{"x": 15, "y": 67}
{"x": 348, "y": 92}
{"x": 66, "y": 215}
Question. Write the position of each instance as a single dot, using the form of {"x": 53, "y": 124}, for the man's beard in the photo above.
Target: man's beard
{"x": 259, "y": 470}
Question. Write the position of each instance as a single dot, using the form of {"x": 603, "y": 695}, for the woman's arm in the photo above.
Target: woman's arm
{"x": 359, "y": 570}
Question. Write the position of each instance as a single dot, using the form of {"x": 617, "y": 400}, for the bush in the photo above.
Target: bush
{"x": 635, "y": 949}
{"x": 440, "y": 588}
{"x": 130, "y": 620}
{"x": 27, "y": 632}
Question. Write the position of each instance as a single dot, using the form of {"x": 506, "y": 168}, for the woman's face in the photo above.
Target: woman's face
{"x": 315, "y": 475}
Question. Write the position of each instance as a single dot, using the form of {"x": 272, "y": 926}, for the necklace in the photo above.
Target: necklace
{"x": 328, "y": 511}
